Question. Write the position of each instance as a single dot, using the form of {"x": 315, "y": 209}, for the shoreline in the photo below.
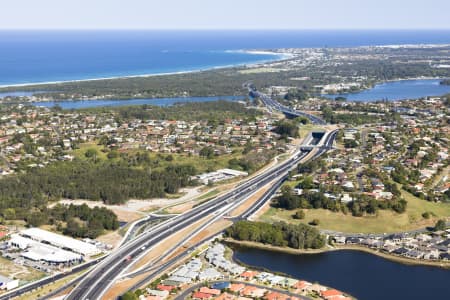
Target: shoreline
{"x": 278, "y": 56}
{"x": 394, "y": 258}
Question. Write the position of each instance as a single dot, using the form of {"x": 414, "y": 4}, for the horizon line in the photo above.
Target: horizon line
{"x": 225, "y": 29}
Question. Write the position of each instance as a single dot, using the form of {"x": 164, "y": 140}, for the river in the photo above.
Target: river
{"x": 394, "y": 90}
{"x": 79, "y": 104}
{"x": 363, "y": 275}
{"x": 398, "y": 90}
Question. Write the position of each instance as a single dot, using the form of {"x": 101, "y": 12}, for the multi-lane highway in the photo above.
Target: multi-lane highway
{"x": 275, "y": 105}
{"x": 102, "y": 276}
{"x": 107, "y": 271}
{"x": 134, "y": 248}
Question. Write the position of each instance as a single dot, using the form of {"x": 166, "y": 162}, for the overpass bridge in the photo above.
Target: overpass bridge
{"x": 275, "y": 105}
{"x": 315, "y": 140}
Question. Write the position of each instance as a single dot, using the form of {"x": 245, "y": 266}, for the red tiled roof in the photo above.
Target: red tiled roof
{"x": 200, "y": 295}
{"x": 207, "y": 290}
{"x": 330, "y": 293}
{"x": 163, "y": 287}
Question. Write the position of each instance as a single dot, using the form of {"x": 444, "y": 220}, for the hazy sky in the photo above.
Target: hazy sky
{"x": 224, "y": 14}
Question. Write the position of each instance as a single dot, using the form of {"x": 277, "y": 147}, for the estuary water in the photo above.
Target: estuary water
{"x": 395, "y": 90}
{"x": 80, "y": 104}
{"x": 363, "y": 275}
{"x": 398, "y": 90}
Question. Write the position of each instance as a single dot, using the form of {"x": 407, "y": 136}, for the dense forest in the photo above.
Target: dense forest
{"x": 287, "y": 128}
{"x": 76, "y": 220}
{"x": 112, "y": 182}
{"x": 281, "y": 234}
{"x": 214, "y": 111}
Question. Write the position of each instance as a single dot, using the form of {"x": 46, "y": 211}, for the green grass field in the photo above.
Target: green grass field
{"x": 202, "y": 164}
{"x": 384, "y": 221}
{"x": 79, "y": 153}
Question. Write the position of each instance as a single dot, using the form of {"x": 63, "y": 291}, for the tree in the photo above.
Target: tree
{"x": 129, "y": 296}
{"x": 113, "y": 154}
{"x": 91, "y": 153}
{"x": 314, "y": 222}
{"x": 426, "y": 215}
{"x": 440, "y": 225}
{"x": 299, "y": 214}
{"x": 207, "y": 152}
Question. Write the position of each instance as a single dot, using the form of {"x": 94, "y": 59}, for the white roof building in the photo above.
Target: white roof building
{"x": 8, "y": 283}
{"x": 61, "y": 241}
{"x": 37, "y": 251}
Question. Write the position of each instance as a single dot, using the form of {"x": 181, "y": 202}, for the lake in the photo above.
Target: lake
{"x": 363, "y": 275}
{"x": 70, "y": 104}
{"x": 398, "y": 90}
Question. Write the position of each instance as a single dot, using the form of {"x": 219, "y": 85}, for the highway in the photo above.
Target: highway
{"x": 155, "y": 271}
{"x": 103, "y": 275}
{"x": 275, "y": 105}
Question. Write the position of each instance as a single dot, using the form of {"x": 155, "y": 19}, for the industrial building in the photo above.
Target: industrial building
{"x": 40, "y": 252}
{"x": 60, "y": 241}
{"x": 219, "y": 175}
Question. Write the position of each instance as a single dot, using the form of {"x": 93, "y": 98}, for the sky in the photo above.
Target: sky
{"x": 225, "y": 14}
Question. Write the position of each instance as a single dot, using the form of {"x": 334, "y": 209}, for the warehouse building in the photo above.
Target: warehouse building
{"x": 40, "y": 252}
{"x": 60, "y": 241}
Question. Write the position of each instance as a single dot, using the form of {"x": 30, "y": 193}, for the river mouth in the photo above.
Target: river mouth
{"x": 361, "y": 274}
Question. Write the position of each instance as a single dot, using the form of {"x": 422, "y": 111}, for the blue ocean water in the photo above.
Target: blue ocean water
{"x": 46, "y": 56}
{"x": 398, "y": 90}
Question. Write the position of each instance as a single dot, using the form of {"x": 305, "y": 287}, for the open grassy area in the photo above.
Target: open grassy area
{"x": 202, "y": 164}
{"x": 384, "y": 221}
{"x": 12, "y": 270}
{"x": 306, "y": 129}
{"x": 79, "y": 153}
{"x": 208, "y": 195}
{"x": 44, "y": 290}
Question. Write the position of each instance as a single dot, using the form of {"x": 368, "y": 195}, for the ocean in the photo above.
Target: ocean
{"x": 49, "y": 56}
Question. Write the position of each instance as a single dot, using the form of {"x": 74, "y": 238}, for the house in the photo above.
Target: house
{"x": 253, "y": 291}
{"x": 207, "y": 290}
{"x": 201, "y": 296}
{"x": 276, "y": 296}
{"x": 329, "y": 294}
{"x": 163, "y": 287}
{"x": 339, "y": 239}
{"x": 161, "y": 294}
{"x": 226, "y": 296}
{"x": 301, "y": 285}
{"x": 248, "y": 275}
{"x": 236, "y": 287}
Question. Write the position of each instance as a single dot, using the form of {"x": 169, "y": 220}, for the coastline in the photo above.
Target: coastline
{"x": 395, "y": 258}
{"x": 278, "y": 56}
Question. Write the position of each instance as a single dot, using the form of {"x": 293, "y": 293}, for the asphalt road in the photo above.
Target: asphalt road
{"x": 98, "y": 281}
{"x": 275, "y": 105}
{"x": 187, "y": 292}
